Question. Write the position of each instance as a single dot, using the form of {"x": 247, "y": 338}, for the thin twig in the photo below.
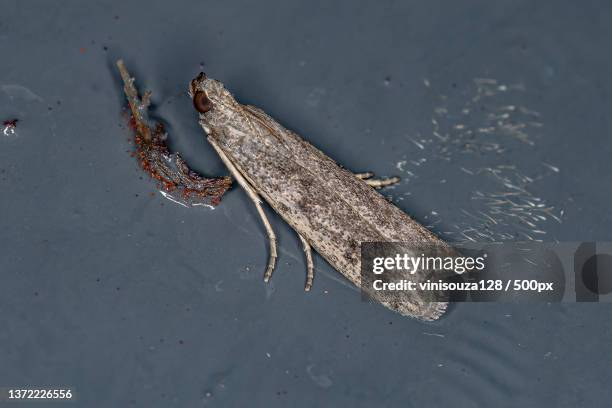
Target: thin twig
{"x": 153, "y": 154}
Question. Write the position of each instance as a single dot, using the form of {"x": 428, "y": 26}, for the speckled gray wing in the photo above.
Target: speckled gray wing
{"x": 326, "y": 204}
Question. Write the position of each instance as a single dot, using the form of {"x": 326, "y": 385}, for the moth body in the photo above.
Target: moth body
{"x": 330, "y": 208}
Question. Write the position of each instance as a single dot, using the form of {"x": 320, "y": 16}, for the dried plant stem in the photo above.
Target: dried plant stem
{"x": 154, "y": 157}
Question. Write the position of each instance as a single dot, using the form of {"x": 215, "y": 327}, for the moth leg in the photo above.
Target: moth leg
{"x": 380, "y": 183}
{"x": 309, "y": 263}
{"x": 376, "y": 183}
{"x": 365, "y": 175}
{"x": 257, "y": 201}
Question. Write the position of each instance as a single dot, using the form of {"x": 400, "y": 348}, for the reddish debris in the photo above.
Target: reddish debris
{"x": 171, "y": 172}
{"x": 9, "y": 126}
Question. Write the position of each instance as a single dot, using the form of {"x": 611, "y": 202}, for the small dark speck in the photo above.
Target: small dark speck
{"x": 116, "y": 17}
{"x": 390, "y": 322}
{"x": 387, "y": 80}
{"x": 118, "y": 288}
{"x": 181, "y": 342}
{"x": 97, "y": 279}
{"x": 454, "y": 85}
{"x": 35, "y": 293}
{"x": 105, "y": 48}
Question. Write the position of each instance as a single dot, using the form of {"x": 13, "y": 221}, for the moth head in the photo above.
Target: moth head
{"x": 207, "y": 93}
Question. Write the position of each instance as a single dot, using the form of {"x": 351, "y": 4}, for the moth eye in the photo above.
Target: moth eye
{"x": 201, "y": 102}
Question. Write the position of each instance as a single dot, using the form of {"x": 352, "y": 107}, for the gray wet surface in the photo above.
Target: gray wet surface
{"x": 128, "y": 299}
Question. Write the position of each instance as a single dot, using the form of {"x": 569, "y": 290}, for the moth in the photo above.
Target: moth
{"x": 331, "y": 209}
